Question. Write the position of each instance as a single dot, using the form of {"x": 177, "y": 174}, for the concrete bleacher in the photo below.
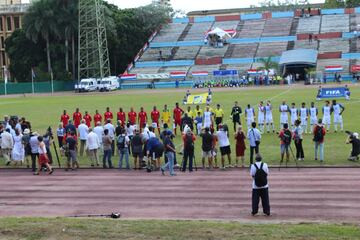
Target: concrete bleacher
{"x": 208, "y": 51}
{"x": 252, "y": 29}
{"x": 304, "y": 44}
{"x": 240, "y": 67}
{"x": 153, "y": 54}
{"x": 309, "y": 25}
{"x": 277, "y": 27}
{"x": 144, "y": 70}
{"x": 334, "y": 45}
{"x": 322, "y": 63}
{"x": 170, "y": 32}
{"x": 271, "y": 49}
{"x": 335, "y": 23}
{"x": 174, "y": 69}
{"x": 198, "y": 31}
{"x": 209, "y": 68}
{"x": 187, "y": 52}
{"x": 226, "y": 24}
{"x": 244, "y": 50}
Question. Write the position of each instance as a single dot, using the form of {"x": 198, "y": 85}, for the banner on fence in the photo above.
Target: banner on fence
{"x": 153, "y": 76}
{"x": 225, "y": 72}
{"x": 336, "y": 68}
{"x": 197, "y": 98}
{"x": 128, "y": 76}
{"x": 177, "y": 74}
{"x": 200, "y": 73}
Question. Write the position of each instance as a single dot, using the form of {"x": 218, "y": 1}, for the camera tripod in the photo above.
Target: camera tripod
{"x": 293, "y": 156}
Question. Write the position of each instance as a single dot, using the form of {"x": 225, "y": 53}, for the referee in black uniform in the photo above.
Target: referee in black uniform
{"x": 235, "y": 113}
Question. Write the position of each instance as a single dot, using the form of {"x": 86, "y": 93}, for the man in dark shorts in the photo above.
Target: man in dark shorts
{"x": 207, "y": 147}
{"x": 71, "y": 145}
{"x": 137, "y": 149}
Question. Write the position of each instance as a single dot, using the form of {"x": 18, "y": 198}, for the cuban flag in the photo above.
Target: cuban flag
{"x": 336, "y": 68}
{"x": 252, "y": 71}
{"x": 128, "y": 76}
{"x": 200, "y": 73}
{"x": 177, "y": 74}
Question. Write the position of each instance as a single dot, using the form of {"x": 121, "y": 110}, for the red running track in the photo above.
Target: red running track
{"x": 315, "y": 194}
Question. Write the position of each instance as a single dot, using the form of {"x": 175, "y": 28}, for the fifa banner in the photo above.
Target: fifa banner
{"x": 197, "y": 99}
{"x": 332, "y": 93}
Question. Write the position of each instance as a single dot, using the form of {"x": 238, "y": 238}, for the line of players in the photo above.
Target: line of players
{"x": 265, "y": 115}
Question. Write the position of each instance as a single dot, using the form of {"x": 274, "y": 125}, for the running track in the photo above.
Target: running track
{"x": 308, "y": 194}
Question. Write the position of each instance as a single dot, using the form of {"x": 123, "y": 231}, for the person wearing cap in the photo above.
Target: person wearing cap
{"x": 219, "y": 116}
{"x": 259, "y": 192}
{"x": 34, "y": 145}
{"x": 224, "y": 143}
{"x": 170, "y": 153}
{"x": 7, "y": 144}
{"x": 355, "y": 151}
{"x": 137, "y": 149}
{"x": 188, "y": 139}
{"x": 83, "y": 132}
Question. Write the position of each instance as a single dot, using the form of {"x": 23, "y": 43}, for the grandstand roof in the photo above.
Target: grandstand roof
{"x": 299, "y": 56}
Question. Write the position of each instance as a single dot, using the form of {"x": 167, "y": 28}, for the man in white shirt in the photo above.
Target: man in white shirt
{"x": 92, "y": 146}
{"x": 284, "y": 109}
{"x": 326, "y": 115}
{"x": 269, "y": 117}
{"x": 111, "y": 130}
{"x": 313, "y": 111}
{"x": 83, "y": 132}
{"x": 254, "y": 137}
{"x": 224, "y": 143}
{"x": 304, "y": 113}
{"x": 249, "y": 115}
{"x": 338, "y": 109}
{"x": 7, "y": 144}
{"x": 260, "y": 188}
{"x": 293, "y": 115}
{"x": 261, "y": 116}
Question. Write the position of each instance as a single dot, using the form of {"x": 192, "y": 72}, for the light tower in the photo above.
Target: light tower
{"x": 93, "y": 55}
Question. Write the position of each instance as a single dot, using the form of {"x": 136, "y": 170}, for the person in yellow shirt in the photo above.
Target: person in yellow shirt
{"x": 165, "y": 116}
{"x": 190, "y": 112}
{"x": 197, "y": 111}
{"x": 218, "y": 115}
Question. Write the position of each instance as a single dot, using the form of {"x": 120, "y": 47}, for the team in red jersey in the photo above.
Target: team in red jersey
{"x": 177, "y": 114}
{"x": 64, "y": 119}
{"x": 155, "y": 115}
{"x": 121, "y": 116}
{"x": 132, "y": 116}
{"x": 97, "y": 117}
{"x": 87, "y": 119}
{"x": 142, "y": 118}
{"x": 108, "y": 114}
{"x": 77, "y": 116}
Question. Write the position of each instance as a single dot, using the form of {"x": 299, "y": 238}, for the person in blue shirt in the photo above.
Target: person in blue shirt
{"x": 198, "y": 122}
{"x": 155, "y": 149}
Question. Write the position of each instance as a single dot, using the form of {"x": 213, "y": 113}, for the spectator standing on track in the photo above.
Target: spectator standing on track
{"x": 235, "y": 115}
{"x": 137, "y": 149}
{"x": 319, "y": 133}
{"x": 207, "y": 147}
{"x": 170, "y": 152}
{"x": 123, "y": 143}
{"x": 189, "y": 140}
{"x": 260, "y": 188}
{"x": 92, "y": 146}
{"x": 43, "y": 158}
{"x": 34, "y": 145}
{"x": 71, "y": 145}
{"x": 254, "y": 137}
{"x": 111, "y": 132}
{"x": 83, "y": 132}
{"x": 107, "y": 143}
{"x": 240, "y": 146}
{"x": 298, "y": 139}
{"x": 224, "y": 143}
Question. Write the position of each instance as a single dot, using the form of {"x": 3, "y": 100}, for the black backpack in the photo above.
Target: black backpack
{"x": 207, "y": 141}
{"x": 121, "y": 142}
{"x": 189, "y": 143}
{"x": 260, "y": 176}
{"x": 287, "y": 137}
{"x": 319, "y": 136}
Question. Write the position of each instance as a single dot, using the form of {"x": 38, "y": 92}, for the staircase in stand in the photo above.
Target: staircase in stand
{"x": 293, "y": 29}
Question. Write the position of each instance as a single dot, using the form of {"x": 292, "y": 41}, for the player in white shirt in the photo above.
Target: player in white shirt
{"x": 313, "y": 111}
{"x": 269, "y": 117}
{"x": 304, "y": 114}
{"x": 284, "y": 109}
{"x": 338, "y": 109}
{"x": 207, "y": 117}
{"x": 261, "y": 116}
{"x": 326, "y": 115}
{"x": 249, "y": 115}
{"x": 293, "y": 115}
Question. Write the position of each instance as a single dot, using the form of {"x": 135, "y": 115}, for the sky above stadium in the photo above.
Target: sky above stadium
{"x": 192, "y": 5}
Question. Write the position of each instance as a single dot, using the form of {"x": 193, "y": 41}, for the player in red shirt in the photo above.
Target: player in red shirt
{"x": 177, "y": 113}
{"x": 64, "y": 119}
{"x": 132, "y": 116}
{"x": 87, "y": 119}
{"x": 155, "y": 115}
{"x": 108, "y": 114}
{"x": 142, "y": 118}
{"x": 97, "y": 117}
{"x": 77, "y": 116}
{"x": 121, "y": 116}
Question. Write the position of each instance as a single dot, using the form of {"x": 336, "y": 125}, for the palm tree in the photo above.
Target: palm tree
{"x": 40, "y": 22}
{"x": 267, "y": 64}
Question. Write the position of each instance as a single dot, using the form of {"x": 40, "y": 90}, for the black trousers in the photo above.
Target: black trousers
{"x": 299, "y": 149}
{"x": 262, "y": 193}
{"x": 252, "y": 149}
{"x": 188, "y": 154}
{"x": 60, "y": 140}
{"x": 34, "y": 156}
{"x": 235, "y": 121}
{"x": 218, "y": 120}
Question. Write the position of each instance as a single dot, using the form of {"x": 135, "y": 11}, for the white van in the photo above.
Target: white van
{"x": 86, "y": 85}
{"x": 109, "y": 84}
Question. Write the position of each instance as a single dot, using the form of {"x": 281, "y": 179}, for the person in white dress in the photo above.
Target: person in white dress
{"x": 249, "y": 115}
{"x": 269, "y": 117}
{"x": 313, "y": 115}
{"x": 326, "y": 115}
{"x": 261, "y": 116}
{"x": 18, "y": 151}
{"x": 284, "y": 109}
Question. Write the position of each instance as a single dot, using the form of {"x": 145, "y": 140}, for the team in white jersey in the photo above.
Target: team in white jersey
{"x": 284, "y": 109}
{"x": 261, "y": 116}
{"x": 326, "y": 115}
{"x": 293, "y": 115}
{"x": 313, "y": 115}
{"x": 249, "y": 115}
{"x": 304, "y": 114}
{"x": 269, "y": 117}
{"x": 337, "y": 109}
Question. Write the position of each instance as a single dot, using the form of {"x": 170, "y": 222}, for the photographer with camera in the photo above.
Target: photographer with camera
{"x": 353, "y": 139}
{"x": 285, "y": 141}
{"x": 298, "y": 139}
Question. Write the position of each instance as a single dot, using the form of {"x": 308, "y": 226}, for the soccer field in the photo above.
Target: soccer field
{"x": 45, "y": 111}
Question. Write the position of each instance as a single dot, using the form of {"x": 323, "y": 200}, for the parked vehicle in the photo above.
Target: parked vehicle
{"x": 109, "y": 84}
{"x": 87, "y": 85}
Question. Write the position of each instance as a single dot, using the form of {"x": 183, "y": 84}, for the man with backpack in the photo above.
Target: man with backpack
{"x": 188, "y": 139}
{"x": 123, "y": 143}
{"x": 260, "y": 188}
{"x": 207, "y": 146}
{"x": 285, "y": 141}
{"x": 319, "y": 133}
